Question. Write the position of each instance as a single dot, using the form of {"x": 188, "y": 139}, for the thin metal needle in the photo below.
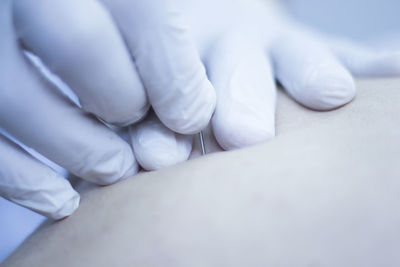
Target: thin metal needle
{"x": 202, "y": 145}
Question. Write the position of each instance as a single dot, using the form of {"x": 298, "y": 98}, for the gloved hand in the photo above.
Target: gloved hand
{"x": 245, "y": 45}
{"x": 84, "y": 44}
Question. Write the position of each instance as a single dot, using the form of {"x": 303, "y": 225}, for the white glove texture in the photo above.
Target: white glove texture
{"x": 117, "y": 63}
{"x": 246, "y": 45}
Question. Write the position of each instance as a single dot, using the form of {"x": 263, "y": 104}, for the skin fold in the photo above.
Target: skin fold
{"x": 325, "y": 192}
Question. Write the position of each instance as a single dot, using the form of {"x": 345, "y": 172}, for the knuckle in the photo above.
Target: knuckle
{"x": 115, "y": 163}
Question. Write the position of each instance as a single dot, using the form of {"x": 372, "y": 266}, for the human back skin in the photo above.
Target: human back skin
{"x": 325, "y": 192}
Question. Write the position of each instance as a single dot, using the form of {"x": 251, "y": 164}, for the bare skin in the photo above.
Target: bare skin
{"x": 325, "y": 192}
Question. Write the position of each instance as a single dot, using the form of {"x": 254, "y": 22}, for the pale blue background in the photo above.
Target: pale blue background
{"x": 360, "y": 19}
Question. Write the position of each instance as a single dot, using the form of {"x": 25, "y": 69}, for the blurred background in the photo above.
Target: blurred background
{"x": 367, "y": 21}
{"x": 371, "y": 21}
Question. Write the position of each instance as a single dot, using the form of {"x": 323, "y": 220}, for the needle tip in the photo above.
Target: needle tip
{"x": 202, "y": 145}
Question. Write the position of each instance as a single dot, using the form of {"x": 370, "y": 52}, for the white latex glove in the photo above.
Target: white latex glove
{"x": 83, "y": 43}
{"x": 245, "y": 45}
{"x": 40, "y": 117}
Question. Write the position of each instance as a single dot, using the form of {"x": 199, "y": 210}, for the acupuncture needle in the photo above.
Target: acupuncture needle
{"x": 202, "y": 145}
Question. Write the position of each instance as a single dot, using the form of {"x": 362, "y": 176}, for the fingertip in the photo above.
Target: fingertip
{"x": 161, "y": 155}
{"x": 116, "y": 164}
{"x": 243, "y": 78}
{"x": 170, "y": 66}
{"x": 67, "y": 208}
{"x": 311, "y": 73}
{"x": 95, "y": 62}
{"x": 234, "y": 132}
{"x": 192, "y": 112}
{"x": 157, "y": 147}
{"x": 327, "y": 89}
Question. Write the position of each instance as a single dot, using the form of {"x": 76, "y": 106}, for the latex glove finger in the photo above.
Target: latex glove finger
{"x": 363, "y": 61}
{"x": 155, "y": 146}
{"x": 87, "y": 52}
{"x": 168, "y": 62}
{"x": 27, "y": 182}
{"x": 41, "y": 118}
{"x": 246, "y": 93}
{"x": 310, "y": 72}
